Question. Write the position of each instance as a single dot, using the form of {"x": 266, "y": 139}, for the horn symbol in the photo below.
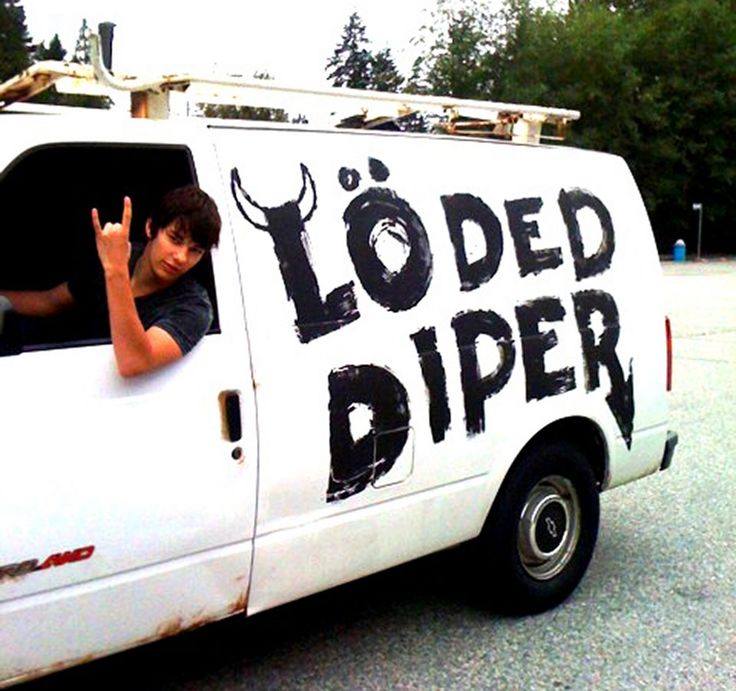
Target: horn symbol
{"x": 307, "y": 177}
{"x": 236, "y": 187}
{"x": 244, "y": 200}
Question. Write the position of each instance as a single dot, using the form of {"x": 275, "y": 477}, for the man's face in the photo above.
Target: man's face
{"x": 173, "y": 253}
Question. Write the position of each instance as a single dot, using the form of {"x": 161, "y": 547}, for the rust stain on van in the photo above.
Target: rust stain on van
{"x": 171, "y": 627}
{"x": 241, "y": 604}
{"x": 51, "y": 669}
{"x": 178, "y": 624}
{"x": 168, "y": 628}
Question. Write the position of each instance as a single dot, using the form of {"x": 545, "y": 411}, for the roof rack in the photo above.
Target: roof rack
{"x": 150, "y": 98}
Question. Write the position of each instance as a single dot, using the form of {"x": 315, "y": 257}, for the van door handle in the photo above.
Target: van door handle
{"x": 230, "y": 411}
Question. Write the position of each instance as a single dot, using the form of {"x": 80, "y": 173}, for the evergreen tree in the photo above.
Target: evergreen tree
{"x": 351, "y": 62}
{"x": 354, "y": 65}
{"x": 384, "y": 74}
{"x": 83, "y": 50}
{"x": 83, "y": 55}
{"x": 55, "y": 51}
{"x": 14, "y": 39}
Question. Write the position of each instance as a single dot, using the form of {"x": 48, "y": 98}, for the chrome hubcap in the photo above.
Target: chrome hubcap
{"x": 549, "y": 528}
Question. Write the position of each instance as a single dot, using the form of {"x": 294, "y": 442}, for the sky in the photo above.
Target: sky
{"x": 290, "y": 39}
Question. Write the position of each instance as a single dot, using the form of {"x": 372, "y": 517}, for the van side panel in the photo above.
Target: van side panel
{"x": 419, "y": 309}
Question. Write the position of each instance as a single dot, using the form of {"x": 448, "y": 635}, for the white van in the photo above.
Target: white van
{"x": 419, "y": 341}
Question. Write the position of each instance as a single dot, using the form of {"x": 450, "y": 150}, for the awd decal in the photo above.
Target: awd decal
{"x": 23, "y": 568}
{"x": 391, "y": 257}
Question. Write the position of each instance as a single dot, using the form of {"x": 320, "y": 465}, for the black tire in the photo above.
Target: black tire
{"x": 540, "y": 534}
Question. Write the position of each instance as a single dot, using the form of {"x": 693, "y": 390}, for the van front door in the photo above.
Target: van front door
{"x": 127, "y": 505}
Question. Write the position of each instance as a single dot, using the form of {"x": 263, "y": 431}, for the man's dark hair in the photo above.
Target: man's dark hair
{"x": 194, "y": 213}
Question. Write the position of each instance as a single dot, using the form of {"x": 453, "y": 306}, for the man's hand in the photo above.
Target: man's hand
{"x": 113, "y": 241}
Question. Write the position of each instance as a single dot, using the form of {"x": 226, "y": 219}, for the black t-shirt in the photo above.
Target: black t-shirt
{"x": 183, "y": 309}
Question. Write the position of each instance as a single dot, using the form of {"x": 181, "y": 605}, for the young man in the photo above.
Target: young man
{"x": 156, "y": 312}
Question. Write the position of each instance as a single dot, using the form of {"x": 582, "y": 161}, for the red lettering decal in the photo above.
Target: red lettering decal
{"x": 62, "y": 558}
{"x": 55, "y": 560}
{"x": 58, "y": 559}
{"x": 46, "y": 563}
{"x": 83, "y": 553}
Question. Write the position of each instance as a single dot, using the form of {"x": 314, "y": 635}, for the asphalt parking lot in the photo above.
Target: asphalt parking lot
{"x": 668, "y": 543}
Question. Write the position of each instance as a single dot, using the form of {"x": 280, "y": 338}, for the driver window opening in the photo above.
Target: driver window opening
{"x": 47, "y": 195}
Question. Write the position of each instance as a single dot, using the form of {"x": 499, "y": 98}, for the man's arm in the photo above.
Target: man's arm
{"x": 40, "y": 303}
{"x": 137, "y": 351}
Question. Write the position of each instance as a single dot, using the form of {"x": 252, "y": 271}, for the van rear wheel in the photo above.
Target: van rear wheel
{"x": 541, "y": 532}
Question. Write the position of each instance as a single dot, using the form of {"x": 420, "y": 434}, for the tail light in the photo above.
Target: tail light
{"x": 668, "y": 331}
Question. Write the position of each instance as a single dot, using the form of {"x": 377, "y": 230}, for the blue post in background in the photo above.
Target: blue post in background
{"x": 678, "y": 252}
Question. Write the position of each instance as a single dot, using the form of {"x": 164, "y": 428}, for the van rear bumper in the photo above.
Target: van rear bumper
{"x": 669, "y": 450}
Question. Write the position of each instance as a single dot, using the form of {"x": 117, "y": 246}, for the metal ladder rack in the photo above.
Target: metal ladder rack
{"x": 150, "y": 98}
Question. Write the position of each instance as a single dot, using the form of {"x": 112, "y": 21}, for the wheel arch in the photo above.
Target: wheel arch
{"x": 583, "y": 433}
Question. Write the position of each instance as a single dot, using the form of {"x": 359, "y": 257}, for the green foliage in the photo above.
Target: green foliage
{"x": 384, "y": 74}
{"x": 14, "y": 39}
{"x": 689, "y": 65}
{"x": 655, "y": 81}
{"x": 582, "y": 61}
{"x": 461, "y": 68}
{"x": 458, "y": 47}
{"x": 55, "y": 51}
{"x": 228, "y": 112}
{"x": 355, "y": 66}
{"x": 417, "y": 82}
